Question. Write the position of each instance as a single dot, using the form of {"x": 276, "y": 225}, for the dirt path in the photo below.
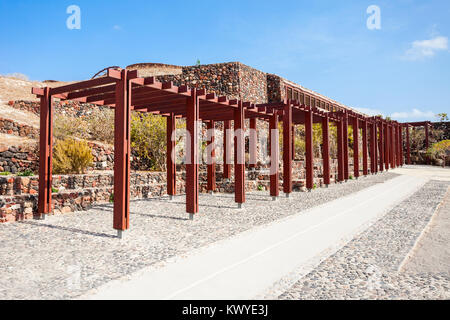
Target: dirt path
{"x": 432, "y": 252}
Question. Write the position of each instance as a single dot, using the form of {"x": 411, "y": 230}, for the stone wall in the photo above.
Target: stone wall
{"x": 14, "y": 128}
{"x": 444, "y": 127}
{"x": 18, "y": 195}
{"x": 18, "y": 159}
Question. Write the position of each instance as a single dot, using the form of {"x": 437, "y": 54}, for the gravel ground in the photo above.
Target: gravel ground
{"x": 67, "y": 255}
{"x": 367, "y": 267}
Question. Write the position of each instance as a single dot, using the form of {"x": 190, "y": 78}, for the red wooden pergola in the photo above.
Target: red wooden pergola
{"x": 427, "y": 127}
{"x": 125, "y": 91}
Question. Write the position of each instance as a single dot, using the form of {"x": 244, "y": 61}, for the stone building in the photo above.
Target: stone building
{"x": 231, "y": 79}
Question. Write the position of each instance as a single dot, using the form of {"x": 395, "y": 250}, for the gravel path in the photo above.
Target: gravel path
{"x": 67, "y": 255}
{"x": 367, "y": 267}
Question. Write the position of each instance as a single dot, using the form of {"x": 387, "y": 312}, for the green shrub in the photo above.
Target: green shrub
{"x": 6, "y": 173}
{"x": 148, "y": 139}
{"x": 260, "y": 188}
{"x": 71, "y": 156}
{"x": 439, "y": 151}
{"x": 26, "y": 173}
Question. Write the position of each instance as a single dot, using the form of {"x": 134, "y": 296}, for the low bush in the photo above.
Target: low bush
{"x": 71, "y": 156}
{"x": 440, "y": 151}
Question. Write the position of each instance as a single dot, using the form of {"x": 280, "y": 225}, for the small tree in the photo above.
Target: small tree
{"x": 442, "y": 117}
{"x": 440, "y": 151}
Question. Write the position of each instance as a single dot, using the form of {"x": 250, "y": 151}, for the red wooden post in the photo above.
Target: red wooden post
{"x": 293, "y": 141}
{"x": 45, "y": 154}
{"x": 400, "y": 142}
{"x": 239, "y": 155}
{"x": 386, "y": 146}
{"x": 340, "y": 150}
{"x": 192, "y": 118}
{"x": 371, "y": 147}
{"x": 253, "y": 143}
{"x": 356, "y": 147}
{"x": 427, "y": 141}
{"x": 309, "y": 149}
{"x": 381, "y": 146}
{"x": 364, "y": 146}
{"x": 211, "y": 157}
{"x": 171, "y": 164}
{"x": 392, "y": 147}
{"x": 345, "y": 146}
{"x": 122, "y": 154}
{"x": 274, "y": 156}
{"x": 226, "y": 149}
{"x": 377, "y": 151}
{"x": 408, "y": 146}
{"x": 326, "y": 149}
{"x": 287, "y": 149}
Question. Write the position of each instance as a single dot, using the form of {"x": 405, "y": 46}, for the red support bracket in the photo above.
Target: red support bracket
{"x": 253, "y": 143}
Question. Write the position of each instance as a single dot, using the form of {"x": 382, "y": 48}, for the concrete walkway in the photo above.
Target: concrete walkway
{"x": 246, "y": 266}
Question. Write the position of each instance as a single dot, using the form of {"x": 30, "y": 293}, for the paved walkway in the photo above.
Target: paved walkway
{"x": 247, "y": 265}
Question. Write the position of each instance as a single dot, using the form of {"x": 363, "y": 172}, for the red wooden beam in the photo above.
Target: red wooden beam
{"x": 171, "y": 156}
{"x": 122, "y": 154}
{"x": 83, "y": 85}
{"x": 227, "y": 149}
{"x": 192, "y": 118}
{"x": 309, "y": 149}
{"x": 211, "y": 170}
{"x": 356, "y": 147}
{"x": 287, "y": 149}
{"x": 326, "y": 150}
{"x": 239, "y": 155}
{"x": 274, "y": 156}
{"x": 45, "y": 153}
{"x": 364, "y": 150}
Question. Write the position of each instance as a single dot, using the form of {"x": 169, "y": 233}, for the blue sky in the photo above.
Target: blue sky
{"x": 401, "y": 70}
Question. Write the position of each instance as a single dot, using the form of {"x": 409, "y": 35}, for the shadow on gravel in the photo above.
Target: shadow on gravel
{"x": 74, "y": 230}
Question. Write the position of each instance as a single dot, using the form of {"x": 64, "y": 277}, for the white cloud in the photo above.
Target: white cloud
{"x": 370, "y": 112}
{"x": 117, "y": 27}
{"x": 421, "y": 49}
{"x": 414, "y": 114}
